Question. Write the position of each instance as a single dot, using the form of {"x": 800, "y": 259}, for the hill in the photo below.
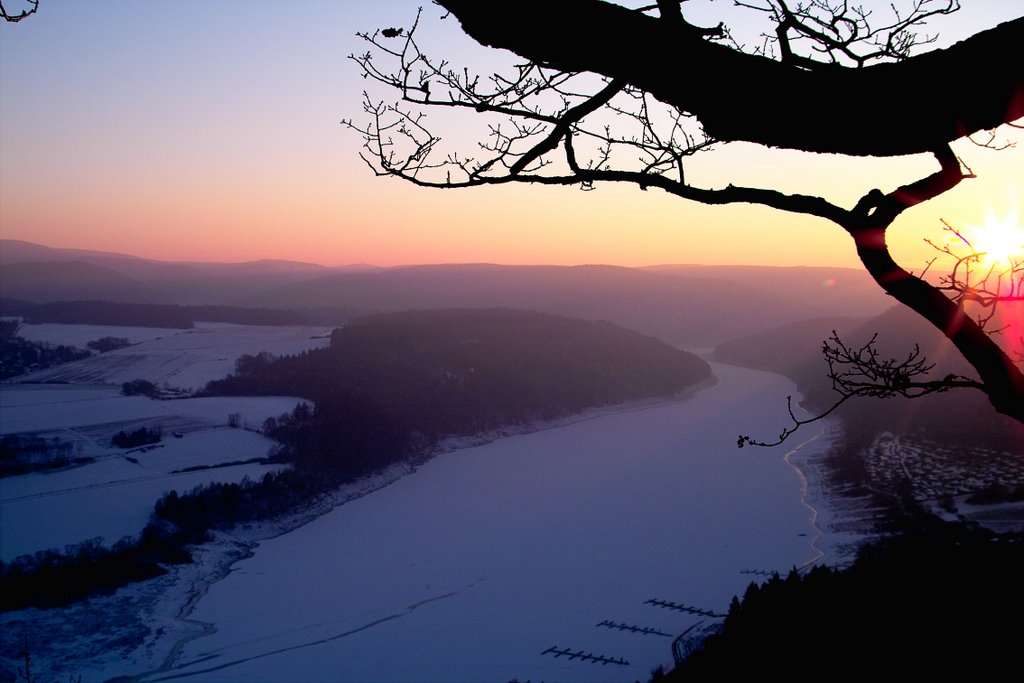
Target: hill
{"x": 464, "y": 371}
{"x": 43, "y": 274}
{"x": 43, "y": 281}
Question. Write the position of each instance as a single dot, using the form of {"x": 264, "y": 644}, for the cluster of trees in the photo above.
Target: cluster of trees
{"x": 140, "y": 387}
{"x": 18, "y": 356}
{"x": 21, "y": 453}
{"x": 51, "y": 578}
{"x": 142, "y": 436}
{"x": 932, "y": 602}
{"x": 104, "y": 344}
{"x": 451, "y": 372}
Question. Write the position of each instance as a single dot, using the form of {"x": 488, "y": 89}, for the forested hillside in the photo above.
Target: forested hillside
{"x": 463, "y": 371}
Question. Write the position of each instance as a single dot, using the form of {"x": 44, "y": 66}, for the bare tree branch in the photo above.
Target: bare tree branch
{"x": 33, "y": 5}
{"x": 882, "y": 109}
{"x": 863, "y": 372}
{"x": 836, "y": 33}
{"x": 574, "y": 128}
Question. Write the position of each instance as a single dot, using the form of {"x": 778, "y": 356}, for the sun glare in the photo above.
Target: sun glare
{"x": 999, "y": 241}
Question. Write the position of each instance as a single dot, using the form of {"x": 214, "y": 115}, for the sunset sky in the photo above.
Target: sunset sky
{"x": 198, "y": 130}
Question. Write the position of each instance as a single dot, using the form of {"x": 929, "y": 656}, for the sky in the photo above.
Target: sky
{"x": 210, "y": 131}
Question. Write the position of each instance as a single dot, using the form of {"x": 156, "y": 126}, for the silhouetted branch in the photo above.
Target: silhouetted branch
{"x": 745, "y": 440}
{"x": 861, "y": 371}
{"x": 879, "y": 109}
{"x": 971, "y": 285}
{"x": 622, "y": 126}
{"x": 835, "y": 33}
{"x": 33, "y": 5}
{"x": 871, "y": 217}
{"x": 581, "y": 117}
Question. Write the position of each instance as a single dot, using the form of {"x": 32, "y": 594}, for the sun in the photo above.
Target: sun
{"x": 999, "y": 241}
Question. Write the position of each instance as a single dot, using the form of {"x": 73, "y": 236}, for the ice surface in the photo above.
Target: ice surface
{"x": 468, "y": 569}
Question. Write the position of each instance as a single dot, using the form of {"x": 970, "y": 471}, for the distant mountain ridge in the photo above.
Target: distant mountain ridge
{"x": 24, "y": 265}
{"x": 686, "y": 305}
{"x": 20, "y": 251}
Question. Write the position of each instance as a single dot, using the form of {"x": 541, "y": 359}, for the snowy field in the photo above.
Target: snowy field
{"x": 113, "y": 496}
{"x": 72, "y": 408}
{"x": 79, "y": 335}
{"x": 182, "y": 359}
{"x": 472, "y": 567}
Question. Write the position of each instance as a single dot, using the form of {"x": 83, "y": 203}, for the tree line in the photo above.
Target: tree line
{"x": 930, "y": 602}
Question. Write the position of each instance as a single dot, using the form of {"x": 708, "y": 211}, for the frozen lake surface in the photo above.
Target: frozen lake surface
{"x": 473, "y": 566}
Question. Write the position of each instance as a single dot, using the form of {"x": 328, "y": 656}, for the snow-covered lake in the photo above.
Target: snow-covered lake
{"x": 473, "y": 566}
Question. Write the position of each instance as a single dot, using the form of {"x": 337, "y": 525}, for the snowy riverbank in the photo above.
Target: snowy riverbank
{"x": 483, "y": 559}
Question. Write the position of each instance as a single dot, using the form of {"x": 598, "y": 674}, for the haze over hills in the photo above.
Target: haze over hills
{"x": 44, "y": 281}
{"x": 686, "y": 305}
{"x": 25, "y": 265}
{"x": 960, "y": 416}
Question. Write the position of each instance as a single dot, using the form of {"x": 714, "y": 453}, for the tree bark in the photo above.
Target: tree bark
{"x": 1004, "y": 382}
{"x": 885, "y": 110}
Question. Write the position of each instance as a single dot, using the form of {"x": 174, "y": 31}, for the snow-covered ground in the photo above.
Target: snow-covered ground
{"x": 109, "y": 499}
{"x": 182, "y": 359}
{"x": 472, "y": 567}
{"x": 72, "y": 408}
{"x": 113, "y": 496}
{"x": 80, "y": 335}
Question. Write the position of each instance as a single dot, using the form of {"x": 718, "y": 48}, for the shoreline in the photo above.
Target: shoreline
{"x": 155, "y": 615}
{"x": 373, "y": 483}
{"x": 160, "y": 613}
{"x": 454, "y": 443}
{"x": 843, "y": 522}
